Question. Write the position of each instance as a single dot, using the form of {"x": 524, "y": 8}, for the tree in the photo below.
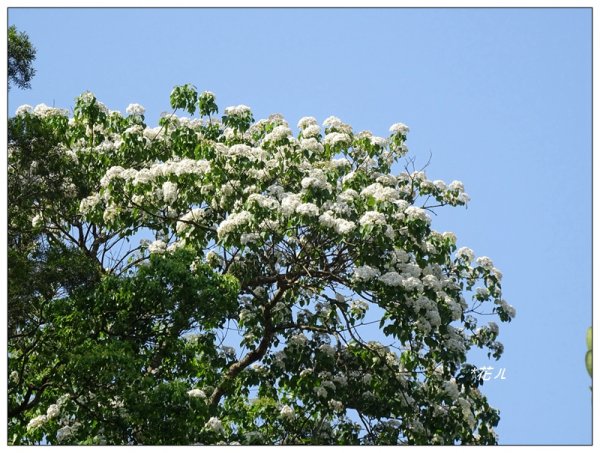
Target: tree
{"x": 20, "y": 57}
{"x": 222, "y": 281}
{"x": 588, "y": 354}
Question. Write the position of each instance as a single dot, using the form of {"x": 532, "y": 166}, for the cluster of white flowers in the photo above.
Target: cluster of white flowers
{"x": 24, "y": 109}
{"x": 485, "y": 262}
{"x": 380, "y": 193}
{"x": 152, "y": 133}
{"x": 196, "y": 393}
{"x": 237, "y": 110}
{"x": 416, "y": 213}
{"x": 249, "y": 238}
{"x": 298, "y": 339}
{"x": 36, "y": 422}
{"x": 53, "y": 411}
{"x": 311, "y": 144}
{"x": 278, "y": 133}
{"x": 335, "y": 138}
{"x": 157, "y": 246}
{"x": 451, "y": 389}
{"x": 399, "y": 128}
{"x": 391, "y": 279}
{"x": 482, "y": 293}
{"x": 378, "y": 141}
{"x": 263, "y": 201}
{"x": 336, "y": 405}
{"x": 135, "y": 110}
{"x": 412, "y": 284}
{"x": 365, "y": 273}
{"x": 327, "y": 350}
{"x": 308, "y": 209}
{"x": 312, "y": 131}
{"x": 431, "y": 281}
{"x": 316, "y": 179}
{"x": 287, "y": 413}
{"x": 66, "y": 431}
{"x": 196, "y": 215}
{"x": 455, "y": 193}
{"x": 289, "y": 203}
{"x": 307, "y": 121}
{"x": 359, "y": 306}
{"x": 42, "y": 110}
{"x": 508, "y": 309}
{"x": 214, "y": 424}
{"x": 169, "y": 191}
{"x": 233, "y": 222}
{"x": 465, "y": 253}
{"x": 339, "y": 225}
{"x": 37, "y": 220}
{"x": 372, "y": 218}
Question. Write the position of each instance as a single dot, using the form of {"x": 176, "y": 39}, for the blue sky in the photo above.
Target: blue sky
{"x": 500, "y": 98}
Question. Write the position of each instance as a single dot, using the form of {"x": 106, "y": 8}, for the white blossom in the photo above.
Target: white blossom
{"x": 365, "y": 273}
{"x": 157, "y": 246}
{"x": 416, "y": 213}
{"x": 334, "y": 138}
{"x": 336, "y": 405}
{"x": 289, "y": 203}
{"x": 196, "y": 393}
{"x": 391, "y": 279}
{"x": 508, "y": 309}
{"x": 412, "y": 283}
{"x": 482, "y": 293}
{"x": 316, "y": 179}
{"x": 307, "y": 121}
{"x": 311, "y": 131}
{"x": 214, "y": 424}
{"x": 439, "y": 184}
{"x": 380, "y": 193}
{"x": 287, "y": 413}
{"x": 169, "y": 190}
{"x": 36, "y": 422}
{"x": 298, "y": 339}
{"x": 278, "y": 133}
{"x": 37, "y": 220}
{"x": 456, "y": 185}
{"x": 451, "y": 389}
{"x": 233, "y": 222}
{"x": 307, "y": 209}
{"x": 372, "y": 218}
{"x": 399, "y": 128}
{"x": 64, "y": 433}
{"x": 23, "y": 109}
{"x": 53, "y": 411}
{"x": 485, "y": 262}
{"x": 465, "y": 253}
{"x": 135, "y": 109}
{"x": 332, "y": 121}
{"x": 237, "y": 110}
{"x": 327, "y": 350}
{"x": 311, "y": 144}
{"x": 378, "y": 141}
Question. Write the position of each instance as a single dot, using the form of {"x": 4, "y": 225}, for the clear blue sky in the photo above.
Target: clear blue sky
{"x": 501, "y": 98}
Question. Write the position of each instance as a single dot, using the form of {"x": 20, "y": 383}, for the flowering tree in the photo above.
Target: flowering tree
{"x": 292, "y": 290}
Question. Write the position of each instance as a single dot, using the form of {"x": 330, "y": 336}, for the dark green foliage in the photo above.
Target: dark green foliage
{"x": 21, "y": 54}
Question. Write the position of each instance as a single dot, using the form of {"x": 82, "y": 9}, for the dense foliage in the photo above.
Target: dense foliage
{"x": 21, "y": 54}
{"x": 224, "y": 281}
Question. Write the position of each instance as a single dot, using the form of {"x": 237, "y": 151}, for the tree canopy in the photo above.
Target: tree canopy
{"x": 224, "y": 281}
{"x": 21, "y": 54}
